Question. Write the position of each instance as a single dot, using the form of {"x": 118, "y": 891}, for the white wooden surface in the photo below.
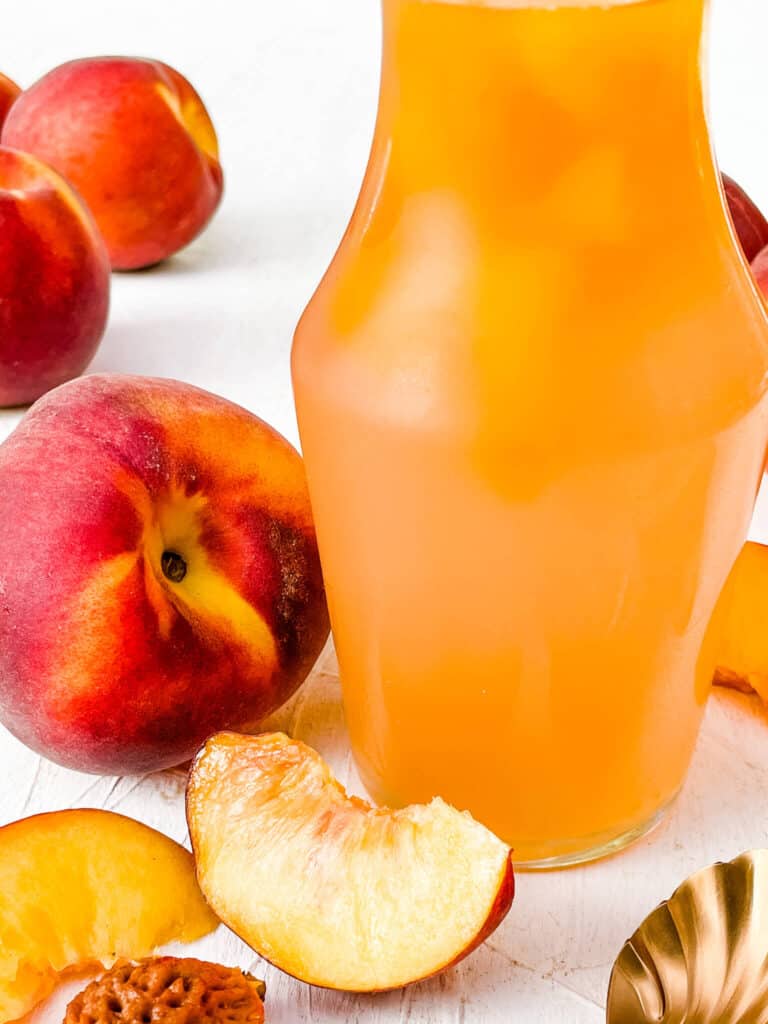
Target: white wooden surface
{"x": 291, "y": 85}
{"x": 550, "y": 961}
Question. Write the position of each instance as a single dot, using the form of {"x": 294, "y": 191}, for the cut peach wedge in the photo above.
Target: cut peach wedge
{"x": 743, "y": 654}
{"x": 87, "y": 887}
{"x": 329, "y": 889}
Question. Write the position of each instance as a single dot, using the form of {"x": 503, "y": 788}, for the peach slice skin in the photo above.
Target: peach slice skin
{"x": 329, "y": 889}
{"x": 85, "y": 887}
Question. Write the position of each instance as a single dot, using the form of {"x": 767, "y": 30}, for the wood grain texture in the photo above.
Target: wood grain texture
{"x": 550, "y": 961}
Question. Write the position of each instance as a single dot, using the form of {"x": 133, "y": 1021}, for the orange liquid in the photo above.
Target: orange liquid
{"x": 531, "y": 398}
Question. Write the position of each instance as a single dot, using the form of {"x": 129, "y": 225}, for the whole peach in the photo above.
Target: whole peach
{"x": 134, "y": 138}
{"x": 8, "y": 94}
{"x": 161, "y": 578}
{"x": 751, "y": 226}
{"x": 54, "y": 280}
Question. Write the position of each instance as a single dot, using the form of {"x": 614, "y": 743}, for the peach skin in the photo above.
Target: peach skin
{"x": 748, "y": 221}
{"x": 54, "y": 280}
{"x": 161, "y": 580}
{"x": 760, "y": 270}
{"x": 9, "y": 92}
{"x": 134, "y": 138}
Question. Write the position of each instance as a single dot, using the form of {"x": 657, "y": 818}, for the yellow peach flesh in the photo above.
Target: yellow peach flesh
{"x": 743, "y": 654}
{"x": 329, "y": 889}
{"x": 82, "y": 887}
{"x": 194, "y": 117}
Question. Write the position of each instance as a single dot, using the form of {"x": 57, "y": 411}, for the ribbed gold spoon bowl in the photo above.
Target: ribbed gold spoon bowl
{"x": 701, "y": 957}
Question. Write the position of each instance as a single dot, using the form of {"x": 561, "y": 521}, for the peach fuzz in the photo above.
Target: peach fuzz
{"x": 161, "y": 580}
{"x": 135, "y": 139}
{"x": 54, "y": 280}
{"x": 9, "y": 92}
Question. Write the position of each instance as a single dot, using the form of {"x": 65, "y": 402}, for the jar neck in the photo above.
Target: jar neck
{"x": 507, "y": 103}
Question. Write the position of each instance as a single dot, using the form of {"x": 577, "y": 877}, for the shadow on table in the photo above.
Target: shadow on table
{"x": 219, "y": 247}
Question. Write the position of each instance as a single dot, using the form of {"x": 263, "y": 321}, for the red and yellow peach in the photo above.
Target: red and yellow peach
{"x": 162, "y": 579}
{"x": 54, "y": 280}
{"x": 136, "y": 141}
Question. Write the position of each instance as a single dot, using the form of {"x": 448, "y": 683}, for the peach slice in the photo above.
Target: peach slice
{"x": 743, "y": 655}
{"x": 329, "y": 889}
{"x": 81, "y": 887}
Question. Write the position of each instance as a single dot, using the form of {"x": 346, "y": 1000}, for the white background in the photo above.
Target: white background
{"x": 291, "y": 85}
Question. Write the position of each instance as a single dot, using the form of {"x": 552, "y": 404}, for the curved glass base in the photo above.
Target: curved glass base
{"x": 592, "y": 848}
